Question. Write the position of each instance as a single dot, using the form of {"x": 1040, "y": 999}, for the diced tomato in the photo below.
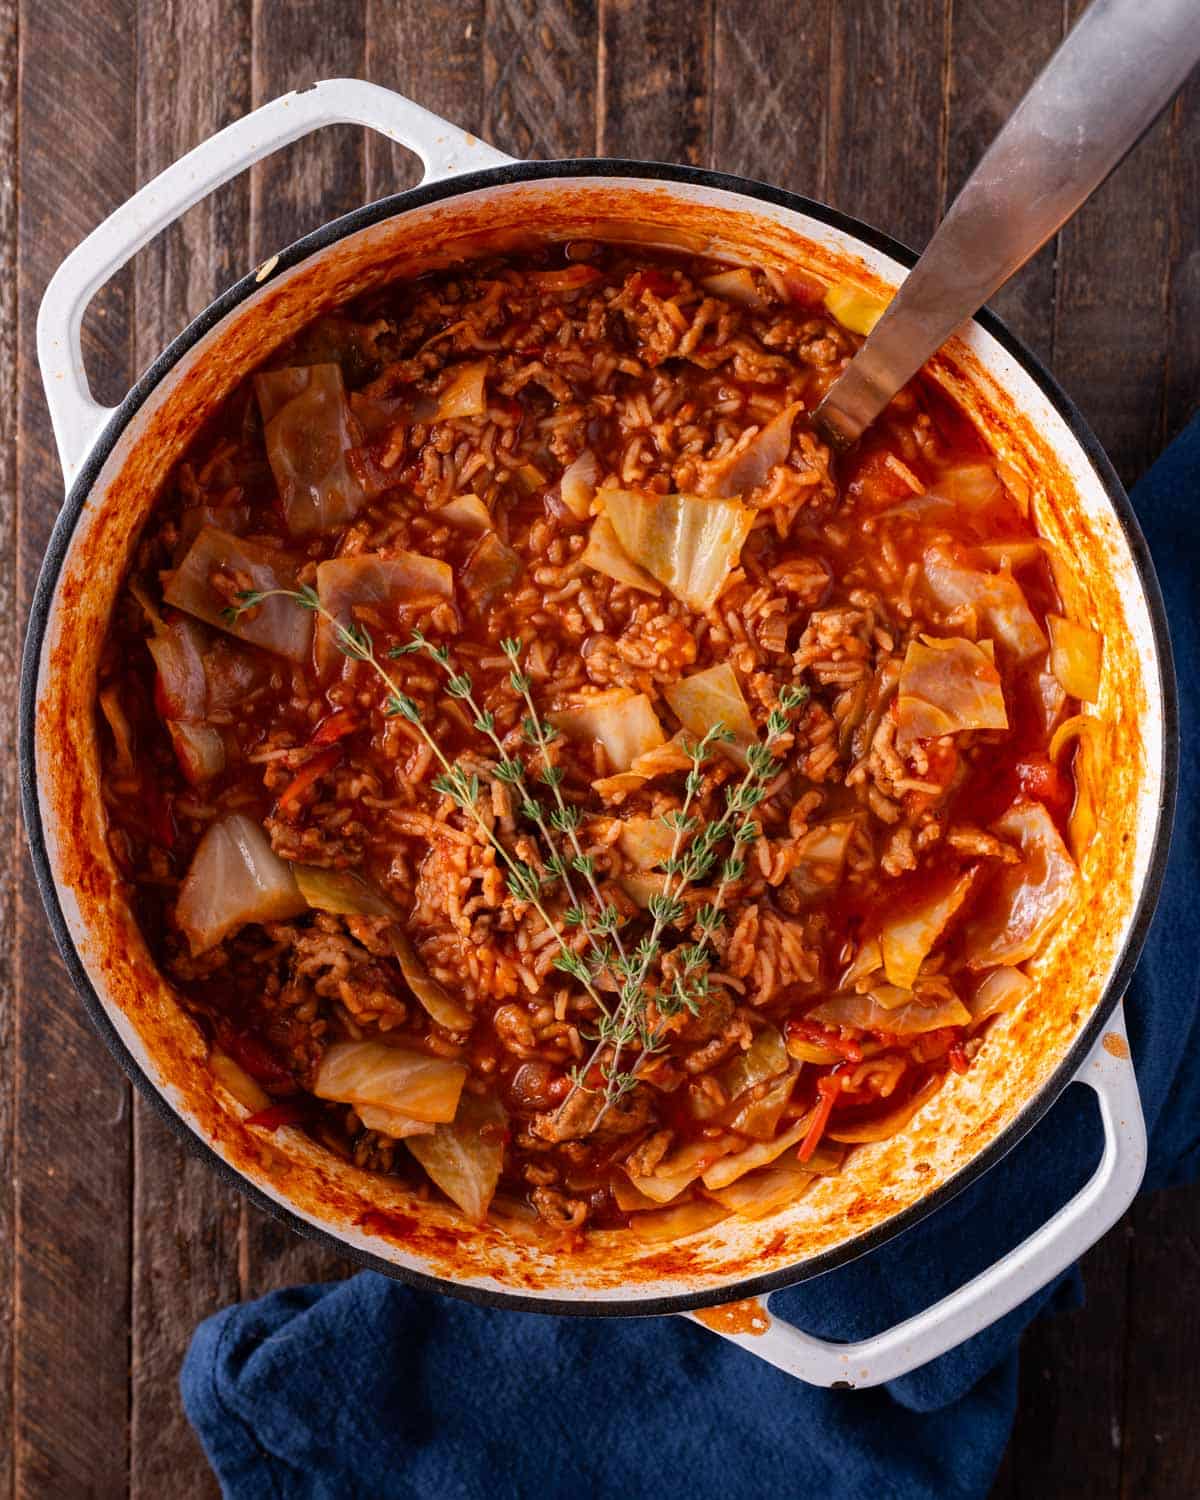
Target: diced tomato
{"x": 943, "y": 763}
{"x": 809, "y": 1031}
{"x": 874, "y": 480}
{"x": 255, "y": 1057}
{"x": 828, "y": 1089}
{"x": 1039, "y": 778}
{"x": 804, "y": 291}
{"x": 309, "y": 774}
{"x": 657, "y": 283}
{"x": 287, "y": 1112}
{"x": 336, "y": 726}
{"x": 959, "y": 1060}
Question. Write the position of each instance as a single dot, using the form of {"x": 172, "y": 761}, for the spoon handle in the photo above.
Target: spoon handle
{"x": 1093, "y": 100}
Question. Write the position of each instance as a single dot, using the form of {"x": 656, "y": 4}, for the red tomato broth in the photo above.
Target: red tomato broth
{"x": 241, "y": 992}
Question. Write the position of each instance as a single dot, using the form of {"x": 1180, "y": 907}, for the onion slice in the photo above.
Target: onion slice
{"x": 464, "y": 1157}
{"x": 413, "y": 1083}
{"x": 235, "y": 877}
{"x": 275, "y": 624}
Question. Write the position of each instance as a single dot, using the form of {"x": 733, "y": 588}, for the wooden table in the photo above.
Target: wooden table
{"x": 113, "y": 1244}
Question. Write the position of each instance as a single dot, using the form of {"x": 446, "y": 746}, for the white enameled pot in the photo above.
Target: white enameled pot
{"x": 114, "y": 462}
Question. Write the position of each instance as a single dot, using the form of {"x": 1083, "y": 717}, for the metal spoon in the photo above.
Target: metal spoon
{"x": 1095, "y": 97}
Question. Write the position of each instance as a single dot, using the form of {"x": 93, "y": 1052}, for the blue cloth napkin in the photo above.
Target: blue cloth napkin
{"x": 367, "y": 1389}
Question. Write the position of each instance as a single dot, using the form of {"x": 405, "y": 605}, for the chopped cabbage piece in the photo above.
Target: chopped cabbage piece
{"x": 468, "y": 513}
{"x": 759, "y": 1117}
{"x": 973, "y": 486}
{"x": 235, "y": 877}
{"x": 909, "y": 932}
{"x": 276, "y": 624}
{"x": 391, "y": 1122}
{"x": 177, "y": 647}
{"x": 199, "y": 749}
{"x": 997, "y": 599}
{"x": 711, "y": 697}
{"x": 765, "y": 1058}
{"x": 675, "y": 1223}
{"x": 464, "y": 394}
{"x": 641, "y": 885}
{"x": 750, "y": 466}
{"x": 866, "y": 1013}
{"x": 812, "y": 1052}
{"x": 882, "y": 1127}
{"x": 491, "y": 568}
{"x": 760, "y": 1193}
{"x": 1025, "y": 902}
{"x": 412, "y": 1083}
{"x": 605, "y": 553}
{"x": 682, "y": 1167}
{"x": 631, "y": 1200}
{"x": 688, "y": 542}
{"x": 433, "y": 996}
{"x": 729, "y": 1168}
{"x": 1082, "y": 731}
{"x": 1075, "y": 653}
{"x": 947, "y": 686}
{"x": 308, "y": 435}
{"x": 736, "y": 285}
{"x": 820, "y": 856}
{"x": 382, "y": 583}
{"x": 118, "y": 723}
{"x": 341, "y": 891}
{"x": 999, "y": 990}
{"x": 646, "y": 841}
{"x": 464, "y": 1157}
{"x": 237, "y": 1081}
{"x": 578, "y": 484}
{"x": 623, "y": 721}
{"x": 853, "y": 308}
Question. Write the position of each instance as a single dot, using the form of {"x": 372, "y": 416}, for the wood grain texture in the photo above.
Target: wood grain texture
{"x": 1160, "y": 1448}
{"x": 888, "y": 112}
{"x": 432, "y": 56}
{"x": 298, "y": 42}
{"x": 539, "y": 74}
{"x": 653, "y": 95}
{"x": 71, "y": 1156}
{"x": 1111, "y": 323}
{"x": 769, "y": 121}
{"x": 186, "y": 1223}
{"x": 988, "y": 77}
{"x": 9, "y": 659}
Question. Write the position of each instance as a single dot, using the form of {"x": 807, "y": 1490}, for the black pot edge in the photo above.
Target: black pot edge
{"x": 754, "y": 1286}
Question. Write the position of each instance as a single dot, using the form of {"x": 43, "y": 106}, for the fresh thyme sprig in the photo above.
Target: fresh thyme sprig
{"x": 688, "y": 987}
{"x": 602, "y": 926}
{"x": 355, "y": 642}
{"x": 683, "y": 981}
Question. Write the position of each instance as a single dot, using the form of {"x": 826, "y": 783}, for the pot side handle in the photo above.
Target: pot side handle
{"x": 1108, "y": 1069}
{"x": 444, "y": 150}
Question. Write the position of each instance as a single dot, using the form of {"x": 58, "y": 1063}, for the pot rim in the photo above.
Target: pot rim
{"x": 319, "y": 240}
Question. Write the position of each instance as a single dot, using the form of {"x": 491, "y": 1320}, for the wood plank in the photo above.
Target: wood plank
{"x": 539, "y": 70}
{"x": 988, "y": 78}
{"x": 9, "y": 658}
{"x": 1067, "y": 1439}
{"x": 654, "y": 88}
{"x": 431, "y": 58}
{"x": 296, "y": 190}
{"x": 1111, "y": 325}
{"x": 1161, "y": 1455}
{"x": 315, "y": 179}
{"x": 887, "y": 84}
{"x": 71, "y": 1157}
{"x": 186, "y": 1224}
{"x": 769, "y": 121}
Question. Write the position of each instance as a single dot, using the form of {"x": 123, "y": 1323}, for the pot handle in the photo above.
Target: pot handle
{"x": 1108, "y": 1069}
{"x": 444, "y": 150}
